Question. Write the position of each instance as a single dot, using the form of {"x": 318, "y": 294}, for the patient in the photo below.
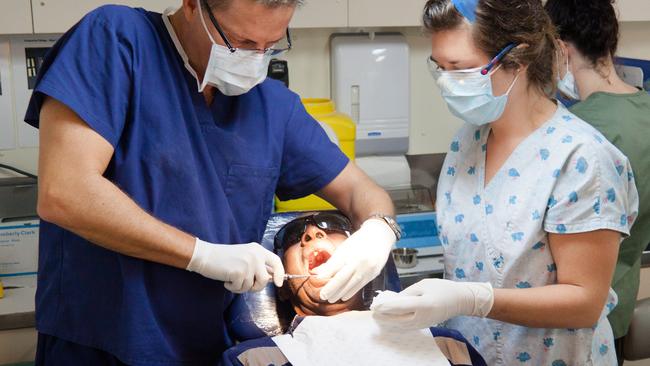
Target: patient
{"x": 304, "y": 244}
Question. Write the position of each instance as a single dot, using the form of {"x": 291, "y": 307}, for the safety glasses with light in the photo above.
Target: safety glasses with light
{"x": 292, "y": 232}
{"x": 486, "y": 70}
{"x": 275, "y": 50}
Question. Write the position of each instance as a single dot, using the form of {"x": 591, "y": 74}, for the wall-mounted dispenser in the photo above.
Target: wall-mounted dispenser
{"x": 371, "y": 83}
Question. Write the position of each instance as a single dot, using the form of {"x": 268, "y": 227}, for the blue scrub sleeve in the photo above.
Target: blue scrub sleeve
{"x": 595, "y": 190}
{"x": 90, "y": 71}
{"x": 310, "y": 160}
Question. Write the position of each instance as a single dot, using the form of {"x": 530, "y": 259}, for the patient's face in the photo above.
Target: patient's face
{"x": 315, "y": 248}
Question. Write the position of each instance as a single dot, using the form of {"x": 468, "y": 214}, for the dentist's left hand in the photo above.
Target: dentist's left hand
{"x": 357, "y": 261}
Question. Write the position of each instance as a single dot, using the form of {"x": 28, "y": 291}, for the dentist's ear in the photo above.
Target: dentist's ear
{"x": 190, "y": 9}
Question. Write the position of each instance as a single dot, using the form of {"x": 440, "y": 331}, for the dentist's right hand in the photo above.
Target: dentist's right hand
{"x": 242, "y": 267}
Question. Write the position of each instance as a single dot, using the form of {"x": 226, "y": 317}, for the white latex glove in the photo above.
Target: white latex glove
{"x": 242, "y": 267}
{"x": 357, "y": 261}
{"x": 433, "y": 301}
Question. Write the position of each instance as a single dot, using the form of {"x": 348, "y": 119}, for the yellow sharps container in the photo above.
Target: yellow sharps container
{"x": 344, "y": 131}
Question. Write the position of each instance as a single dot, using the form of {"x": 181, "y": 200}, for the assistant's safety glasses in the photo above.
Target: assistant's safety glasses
{"x": 292, "y": 232}
{"x": 435, "y": 69}
{"x": 271, "y": 51}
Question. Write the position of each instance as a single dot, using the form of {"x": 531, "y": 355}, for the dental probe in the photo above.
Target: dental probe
{"x": 292, "y": 276}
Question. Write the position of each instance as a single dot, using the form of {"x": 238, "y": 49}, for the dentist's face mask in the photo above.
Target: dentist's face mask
{"x": 233, "y": 73}
{"x": 469, "y": 95}
{"x": 567, "y": 84}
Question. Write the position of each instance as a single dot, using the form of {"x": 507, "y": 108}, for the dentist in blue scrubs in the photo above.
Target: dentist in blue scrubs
{"x": 162, "y": 145}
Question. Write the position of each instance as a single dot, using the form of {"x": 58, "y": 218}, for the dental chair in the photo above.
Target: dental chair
{"x": 262, "y": 314}
{"x": 637, "y": 341}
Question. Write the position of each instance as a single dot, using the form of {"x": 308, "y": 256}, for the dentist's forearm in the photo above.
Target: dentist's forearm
{"x": 357, "y": 196}
{"x": 101, "y": 213}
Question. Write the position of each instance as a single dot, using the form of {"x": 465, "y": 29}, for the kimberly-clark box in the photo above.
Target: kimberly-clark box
{"x": 18, "y": 250}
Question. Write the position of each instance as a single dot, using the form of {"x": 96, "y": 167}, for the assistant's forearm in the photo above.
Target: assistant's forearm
{"x": 554, "y": 306}
{"x": 100, "y": 212}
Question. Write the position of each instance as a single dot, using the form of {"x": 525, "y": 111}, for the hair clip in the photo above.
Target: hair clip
{"x": 467, "y": 8}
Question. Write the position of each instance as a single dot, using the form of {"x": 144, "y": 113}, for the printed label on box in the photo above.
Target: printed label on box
{"x": 19, "y": 248}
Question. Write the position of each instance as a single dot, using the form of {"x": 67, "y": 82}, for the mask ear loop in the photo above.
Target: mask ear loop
{"x": 567, "y": 59}
{"x": 514, "y": 82}
{"x": 205, "y": 27}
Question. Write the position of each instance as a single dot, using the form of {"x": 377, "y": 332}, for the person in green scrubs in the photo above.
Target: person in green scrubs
{"x": 589, "y": 31}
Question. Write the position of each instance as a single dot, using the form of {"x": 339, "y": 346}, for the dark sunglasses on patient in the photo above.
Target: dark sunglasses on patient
{"x": 304, "y": 244}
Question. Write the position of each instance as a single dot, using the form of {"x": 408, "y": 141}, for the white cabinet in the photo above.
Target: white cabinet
{"x": 15, "y": 17}
{"x": 321, "y": 14}
{"x": 57, "y": 16}
{"x": 385, "y": 13}
{"x": 633, "y": 10}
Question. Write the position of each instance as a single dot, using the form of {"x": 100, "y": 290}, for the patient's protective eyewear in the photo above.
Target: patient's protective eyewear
{"x": 292, "y": 232}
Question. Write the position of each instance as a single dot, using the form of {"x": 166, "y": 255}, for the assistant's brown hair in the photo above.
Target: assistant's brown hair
{"x": 500, "y": 23}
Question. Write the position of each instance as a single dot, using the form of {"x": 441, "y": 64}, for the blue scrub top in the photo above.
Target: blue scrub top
{"x": 208, "y": 170}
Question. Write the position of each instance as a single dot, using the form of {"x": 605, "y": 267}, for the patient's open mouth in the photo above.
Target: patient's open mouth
{"x": 318, "y": 257}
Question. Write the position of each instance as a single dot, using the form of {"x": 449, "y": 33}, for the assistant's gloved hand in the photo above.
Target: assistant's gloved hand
{"x": 433, "y": 301}
{"x": 242, "y": 267}
{"x": 357, "y": 261}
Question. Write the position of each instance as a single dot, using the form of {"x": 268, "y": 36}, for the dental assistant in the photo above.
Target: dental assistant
{"x": 162, "y": 145}
{"x": 588, "y": 31}
{"x": 532, "y": 201}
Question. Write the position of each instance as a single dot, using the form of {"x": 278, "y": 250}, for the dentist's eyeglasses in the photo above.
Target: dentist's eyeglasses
{"x": 277, "y": 49}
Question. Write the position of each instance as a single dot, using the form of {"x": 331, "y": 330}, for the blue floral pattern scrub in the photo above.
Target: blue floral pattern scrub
{"x": 564, "y": 178}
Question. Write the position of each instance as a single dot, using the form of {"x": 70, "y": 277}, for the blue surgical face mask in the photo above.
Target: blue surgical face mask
{"x": 567, "y": 84}
{"x": 469, "y": 95}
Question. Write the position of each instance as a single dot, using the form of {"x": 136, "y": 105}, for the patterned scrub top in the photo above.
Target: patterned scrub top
{"x": 564, "y": 178}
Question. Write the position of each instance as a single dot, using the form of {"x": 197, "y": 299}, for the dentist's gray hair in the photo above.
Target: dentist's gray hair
{"x": 222, "y": 4}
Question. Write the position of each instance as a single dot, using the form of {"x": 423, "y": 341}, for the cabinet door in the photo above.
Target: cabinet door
{"x": 633, "y": 10}
{"x": 57, "y": 16}
{"x": 321, "y": 14}
{"x": 385, "y": 13}
{"x": 15, "y": 17}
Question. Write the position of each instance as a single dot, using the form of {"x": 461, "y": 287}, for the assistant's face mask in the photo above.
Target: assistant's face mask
{"x": 469, "y": 95}
{"x": 567, "y": 84}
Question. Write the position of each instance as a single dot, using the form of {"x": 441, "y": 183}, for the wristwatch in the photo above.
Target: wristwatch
{"x": 391, "y": 223}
